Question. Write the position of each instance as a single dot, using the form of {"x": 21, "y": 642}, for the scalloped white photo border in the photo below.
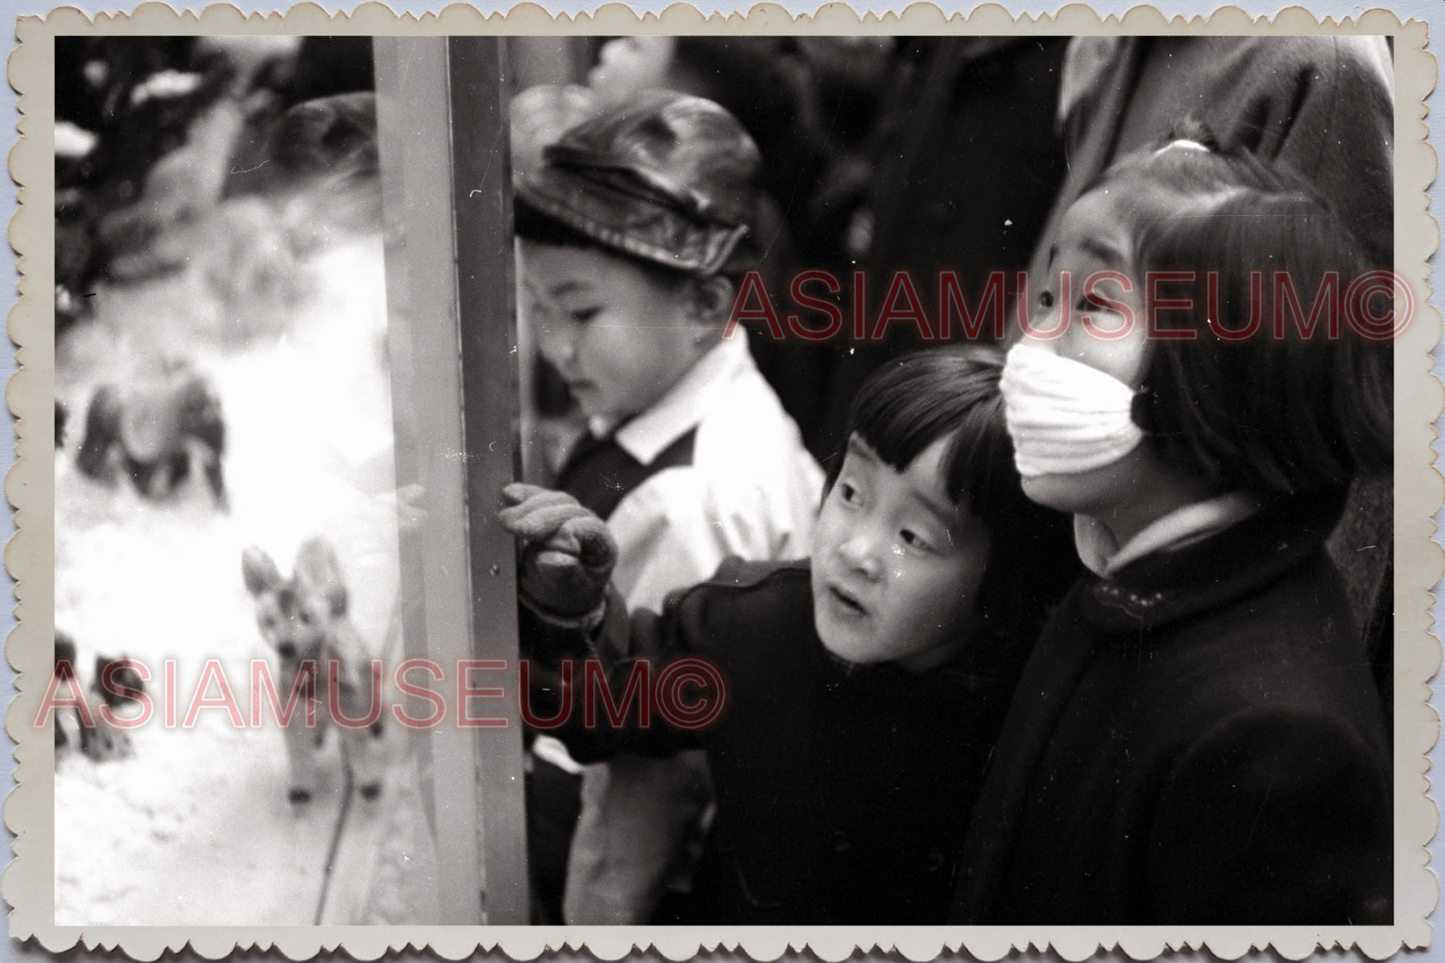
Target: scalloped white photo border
{"x": 28, "y": 889}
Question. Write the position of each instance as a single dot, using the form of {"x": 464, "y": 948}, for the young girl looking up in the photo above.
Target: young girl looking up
{"x": 1197, "y": 737}
{"x": 863, "y": 686}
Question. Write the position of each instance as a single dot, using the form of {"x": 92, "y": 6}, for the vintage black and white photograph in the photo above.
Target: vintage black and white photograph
{"x": 726, "y": 480}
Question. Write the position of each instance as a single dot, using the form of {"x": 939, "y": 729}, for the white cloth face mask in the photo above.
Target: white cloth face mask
{"x": 1064, "y": 416}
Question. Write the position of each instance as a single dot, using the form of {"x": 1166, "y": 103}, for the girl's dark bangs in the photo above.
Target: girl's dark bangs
{"x": 937, "y": 394}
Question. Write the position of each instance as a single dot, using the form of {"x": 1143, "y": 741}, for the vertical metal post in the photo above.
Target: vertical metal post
{"x": 486, "y": 288}
{"x": 442, "y": 130}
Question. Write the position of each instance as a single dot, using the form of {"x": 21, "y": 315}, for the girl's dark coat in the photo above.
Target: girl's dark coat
{"x": 843, "y": 791}
{"x": 1197, "y": 740}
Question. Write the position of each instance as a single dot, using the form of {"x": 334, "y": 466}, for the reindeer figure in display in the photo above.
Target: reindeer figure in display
{"x": 305, "y": 620}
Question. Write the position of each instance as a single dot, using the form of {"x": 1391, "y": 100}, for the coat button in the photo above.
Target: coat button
{"x": 840, "y": 842}
{"x": 934, "y": 860}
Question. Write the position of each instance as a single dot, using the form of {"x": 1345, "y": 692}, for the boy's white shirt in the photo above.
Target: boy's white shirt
{"x": 752, "y": 489}
{"x": 678, "y": 526}
{"x": 1104, "y": 556}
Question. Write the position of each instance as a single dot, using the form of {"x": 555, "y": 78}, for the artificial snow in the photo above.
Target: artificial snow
{"x": 193, "y": 826}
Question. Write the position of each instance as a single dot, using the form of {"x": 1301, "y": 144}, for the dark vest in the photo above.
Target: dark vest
{"x": 599, "y": 473}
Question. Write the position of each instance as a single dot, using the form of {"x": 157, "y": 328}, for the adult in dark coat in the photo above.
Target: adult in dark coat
{"x": 966, "y": 162}
{"x": 1322, "y": 106}
{"x": 839, "y": 786}
{"x": 1195, "y": 740}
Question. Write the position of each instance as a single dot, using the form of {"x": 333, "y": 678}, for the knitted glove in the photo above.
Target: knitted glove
{"x": 565, "y": 553}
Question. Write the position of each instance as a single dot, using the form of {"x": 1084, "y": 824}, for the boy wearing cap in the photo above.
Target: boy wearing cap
{"x": 633, "y": 233}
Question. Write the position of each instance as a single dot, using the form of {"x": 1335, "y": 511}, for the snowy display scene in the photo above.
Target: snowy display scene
{"x": 223, "y": 393}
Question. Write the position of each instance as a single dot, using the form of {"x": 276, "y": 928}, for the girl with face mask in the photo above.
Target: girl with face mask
{"x": 1197, "y": 737}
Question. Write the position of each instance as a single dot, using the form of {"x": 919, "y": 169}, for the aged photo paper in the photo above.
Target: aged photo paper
{"x": 509, "y": 488}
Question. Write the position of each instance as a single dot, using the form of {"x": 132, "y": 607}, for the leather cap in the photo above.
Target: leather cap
{"x": 666, "y": 177}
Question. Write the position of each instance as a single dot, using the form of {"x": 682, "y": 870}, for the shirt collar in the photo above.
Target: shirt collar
{"x": 1103, "y": 556}
{"x": 680, "y": 409}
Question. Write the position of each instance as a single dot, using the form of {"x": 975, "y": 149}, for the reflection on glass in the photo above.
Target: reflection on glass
{"x": 224, "y": 389}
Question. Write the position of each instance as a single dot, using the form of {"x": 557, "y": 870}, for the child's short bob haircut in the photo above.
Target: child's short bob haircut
{"x": 912, "y": 402}
{"x": 667, "y": 180}
{"x": 1279, "y": 412}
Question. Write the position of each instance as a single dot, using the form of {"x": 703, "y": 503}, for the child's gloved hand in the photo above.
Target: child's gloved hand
{"x": 566, "y": 553}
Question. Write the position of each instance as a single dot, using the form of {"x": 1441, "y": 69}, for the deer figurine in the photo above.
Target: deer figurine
{"x": 305, "y": 620}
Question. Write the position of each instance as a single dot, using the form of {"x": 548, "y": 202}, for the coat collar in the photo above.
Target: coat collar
{"x": 1168, "y": 586}
{"x": 1103, "y": 556}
